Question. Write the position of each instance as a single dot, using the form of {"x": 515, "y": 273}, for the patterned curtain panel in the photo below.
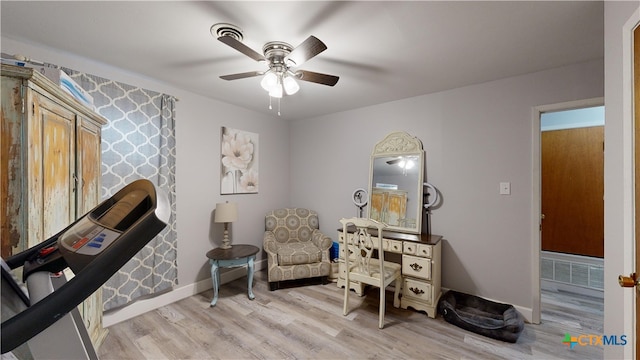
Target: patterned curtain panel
{"x": 138, "y": 142}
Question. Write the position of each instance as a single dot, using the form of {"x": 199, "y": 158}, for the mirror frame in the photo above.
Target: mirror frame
{"x": 400, "y": 143}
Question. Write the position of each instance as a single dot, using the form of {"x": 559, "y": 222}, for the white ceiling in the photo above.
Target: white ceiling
{"x": 382, "y": 50}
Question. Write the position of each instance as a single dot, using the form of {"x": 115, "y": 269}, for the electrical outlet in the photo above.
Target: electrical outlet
{"x": 505, "y": 188}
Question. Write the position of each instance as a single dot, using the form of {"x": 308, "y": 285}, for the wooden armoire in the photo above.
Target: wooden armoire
{"x": 50, "y": 167}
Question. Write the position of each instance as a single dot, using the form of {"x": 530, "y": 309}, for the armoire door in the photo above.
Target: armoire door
{"x": 88, "y": 196}
{"x": 88, "y": 166}
{"x": 51, "y": 168}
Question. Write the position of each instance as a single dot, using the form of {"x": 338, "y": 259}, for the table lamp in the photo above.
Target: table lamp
{"x": 226, "y": 213}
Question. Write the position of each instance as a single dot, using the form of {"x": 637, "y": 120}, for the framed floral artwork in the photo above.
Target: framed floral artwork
{"x": 239, "y": 162}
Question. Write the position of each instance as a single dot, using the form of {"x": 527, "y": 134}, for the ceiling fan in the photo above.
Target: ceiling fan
{"x": 283, "y": 61}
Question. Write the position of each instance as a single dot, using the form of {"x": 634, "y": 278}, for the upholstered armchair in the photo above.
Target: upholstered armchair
{"x": 295, "y": 247}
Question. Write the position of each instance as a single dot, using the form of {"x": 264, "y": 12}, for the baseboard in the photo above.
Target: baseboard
{"x": 144, "y": 305}
{"x": 558, "y": 286}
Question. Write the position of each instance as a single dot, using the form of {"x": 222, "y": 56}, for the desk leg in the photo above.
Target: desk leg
{"x": 250, "y": 277}
{"x": 216, "y": 281}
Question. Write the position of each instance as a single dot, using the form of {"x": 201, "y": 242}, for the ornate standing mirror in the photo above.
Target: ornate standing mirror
{"x": 396, "y": 182}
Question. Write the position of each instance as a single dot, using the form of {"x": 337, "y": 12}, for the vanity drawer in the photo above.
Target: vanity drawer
{"x": 418, "y": 289}
{"x": 416, "y": 267}
{"x": 393, "y": 246}
{"x": 424, "y": 250}
{"x": 341, "y": 251}
{"x": 413, "y": 248}
{"x": 409, "y": 247}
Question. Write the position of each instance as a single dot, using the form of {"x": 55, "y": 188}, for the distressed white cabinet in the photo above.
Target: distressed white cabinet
{"x": 420, "y": 256}
{"x": 50, "y": 161}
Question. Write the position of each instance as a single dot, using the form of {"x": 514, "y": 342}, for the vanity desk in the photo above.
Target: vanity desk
{"x": 420, "y": 256}
{"x": 396, "y": 197}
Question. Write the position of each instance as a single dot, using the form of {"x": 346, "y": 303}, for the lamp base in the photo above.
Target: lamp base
{"x": 226, "y": 242}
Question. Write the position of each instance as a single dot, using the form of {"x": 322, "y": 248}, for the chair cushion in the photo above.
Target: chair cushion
{"x": 292, "y": 224}
{"x": 296, "y": 253}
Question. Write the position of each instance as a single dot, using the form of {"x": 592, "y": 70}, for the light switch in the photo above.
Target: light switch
{"x": 505, "y": 188}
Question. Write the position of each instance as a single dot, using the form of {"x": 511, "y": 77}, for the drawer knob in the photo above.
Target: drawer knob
{"x": 416, "y": 291}
{"x": 416, "y": 267}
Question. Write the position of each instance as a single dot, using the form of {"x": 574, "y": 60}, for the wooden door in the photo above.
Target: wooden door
{"x": 89, "y": 172}
{"x": 88, "y": 166}
{"x": 573, "y": 191}
{"x": 11, "y": 202}
{"x": 636, "y": 101}
{"x": 51, "y": 168}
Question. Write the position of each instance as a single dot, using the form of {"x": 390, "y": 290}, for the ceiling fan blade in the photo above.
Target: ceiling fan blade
{"x": 231, "y": 41}
{"x": 305, "y": 51}
{"x": 315, "y": 77}
{"x": 242, "y": 75}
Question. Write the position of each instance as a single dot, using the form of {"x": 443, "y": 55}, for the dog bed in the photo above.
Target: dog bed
{"x": 481, "y": 316}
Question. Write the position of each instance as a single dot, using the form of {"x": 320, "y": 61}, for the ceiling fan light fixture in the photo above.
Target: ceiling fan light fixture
{"x": 279, "y": 79}
{"x": 290, "y": 85}
{"x": 269, "y": 81}
{"x": 276, "y": 92}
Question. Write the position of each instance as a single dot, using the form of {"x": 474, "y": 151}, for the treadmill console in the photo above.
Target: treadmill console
{"x": 88, "y": 238}
{"x": 95, "y": 232}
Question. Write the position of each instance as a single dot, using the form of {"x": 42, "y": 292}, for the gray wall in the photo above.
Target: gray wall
{"x": 198, "y": 123}
{"x": 474, "y": 138}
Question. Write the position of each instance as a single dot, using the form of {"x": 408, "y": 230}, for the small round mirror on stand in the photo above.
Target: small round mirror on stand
{"x": 430, "y": 199}
{"x": 360, "y": 199}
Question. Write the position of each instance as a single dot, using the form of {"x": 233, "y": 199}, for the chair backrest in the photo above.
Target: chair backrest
{"x": 363, "y": 243}
{"x": 291, "y": 224}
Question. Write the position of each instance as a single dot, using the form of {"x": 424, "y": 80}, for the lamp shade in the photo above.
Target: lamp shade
{"x": 226, "y": 212}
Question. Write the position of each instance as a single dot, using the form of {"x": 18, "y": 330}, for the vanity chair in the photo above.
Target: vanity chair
{"x": 361, "y": 266}
{"x": 296, "y": 248}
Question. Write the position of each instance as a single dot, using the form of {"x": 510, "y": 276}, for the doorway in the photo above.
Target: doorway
{"x": 536, "y": 196}
{"x": 572, "y": 200}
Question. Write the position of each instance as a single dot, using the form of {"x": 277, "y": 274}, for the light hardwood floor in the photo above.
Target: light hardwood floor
{"x": 306, "y": 322}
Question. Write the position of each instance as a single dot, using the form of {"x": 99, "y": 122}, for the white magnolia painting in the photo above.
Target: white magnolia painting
{"x": 239, "y": 162}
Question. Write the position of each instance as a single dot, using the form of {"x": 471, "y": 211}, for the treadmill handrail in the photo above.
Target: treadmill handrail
{"x": 30, "y": 322}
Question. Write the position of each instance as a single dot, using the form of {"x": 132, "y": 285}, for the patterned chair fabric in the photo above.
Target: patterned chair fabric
{"x": 295, "y": 247}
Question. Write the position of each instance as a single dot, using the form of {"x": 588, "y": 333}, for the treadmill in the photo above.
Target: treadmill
{"x": 41, "y": 320}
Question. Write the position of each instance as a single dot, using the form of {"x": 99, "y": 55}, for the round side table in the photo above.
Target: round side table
{"x": 237, "y": 255}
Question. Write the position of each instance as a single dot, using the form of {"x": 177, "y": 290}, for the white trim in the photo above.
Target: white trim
{"x": 536, "y": 193}
{"x": 142, "y": 306}
{"x": 628, "y": 177}
{"x": 556, "y": 286}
